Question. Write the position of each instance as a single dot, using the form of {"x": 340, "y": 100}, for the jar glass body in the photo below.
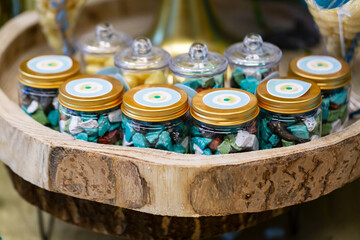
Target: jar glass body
{"x": 91, "y": 63}
{"x": 208, "y": 139}
{"x": 200, "y": 83}
{"x": 138, "y": 77}
{"x": 281, "y": 130}
{"x": 334, "y": 107}
{"x": 248, "y": 78}
{"x": 41, "y": 104}
{"x": 172, "y": 135}
{"x": 98, "y": 126}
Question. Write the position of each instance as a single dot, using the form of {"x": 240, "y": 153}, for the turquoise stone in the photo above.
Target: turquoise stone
{"x": 207, "y": 151}
{"x": 265, "y": 145}
{"x": 164, "y": 141}
{"x": 93, "y": 132}
{"x": 224, "y": 147}
{"x": 82, "y": 136}
{"x": 114, "y": 126}
{"x": 238, "y": 77}
{"x": 207, "y": 83}
{"x": 129, "y": 131}
{"x": 325, "y": 104}
{"x": 104, "y": 125}
{"x": 178, "y": 148}
{"x": 54, "y": 118}
{"x": 274, "y": 140}
{"x": 249, "y": 84}
{"x": 93, "y": 139}
{"x": 299, "y": 131}
{"x": 24, "y": 109}
{"x": 193, "y": 83}
{"x": 195, "y": 132}
{"x": 153, "y": 136}
{"x": 339, "y": 98}
{"x": 264, "y": 130}
{"x": 140, "y": 141}
{"x": 201, "y": 142}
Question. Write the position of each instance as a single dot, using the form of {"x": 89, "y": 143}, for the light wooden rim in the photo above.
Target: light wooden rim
{"x": 42, "y": 144}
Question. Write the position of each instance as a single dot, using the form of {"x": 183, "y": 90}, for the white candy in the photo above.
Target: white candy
{"x": 185, "y": 142}
{"x": 336, "y": 126}
{"x": 33, "y": 107}
{"x": 310, "y": 123}
{"x": 62, "y": 124}
{"x": 115, "y": 116}
{"x": 246, "y": 140}
{"x": 313, "y": 137}
{"x": 55, "y": 103}
{"x": 197, "y": 149}
{"x": 252, "y": 73}
{"x": 126, "y": 143}
{"x": 74, "y": 126}
{"x": 89, "y": 124}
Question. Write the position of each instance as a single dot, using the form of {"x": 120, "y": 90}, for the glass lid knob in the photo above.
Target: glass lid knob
{"x": 253, "y": 42}
{"x": 142, "y": 46}
{"x": 198, "y": 51}
{"x": 104, "y": 31}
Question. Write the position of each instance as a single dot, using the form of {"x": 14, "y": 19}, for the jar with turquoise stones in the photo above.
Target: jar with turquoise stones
{"x": 199, "y": 69}
{"x": 142, "y": 63}
{"x": 290, "y": 112}
{"x": 155, "y": 116}
{"x": 333, "y": 77}
{"x": 251, "y": 62}
{"x": 39, "y": 80}
{"x": 90, "y": 109}
{"x": 98, "y": 48}
{"x": 224, "y": 121}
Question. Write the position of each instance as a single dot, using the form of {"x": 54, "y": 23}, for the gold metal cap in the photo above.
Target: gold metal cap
{"x": 47, "y": 71}
{"x": 328, "y": 72}
{"x": 306, "y": 101}
{"x": 224, "y": 106}
{"x": 155, "y": 103}
{"x": 90, "y": 93}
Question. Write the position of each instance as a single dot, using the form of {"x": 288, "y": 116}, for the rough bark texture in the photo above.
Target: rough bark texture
{"x": 131, "y": 224}
{"x": 153, "y": 181}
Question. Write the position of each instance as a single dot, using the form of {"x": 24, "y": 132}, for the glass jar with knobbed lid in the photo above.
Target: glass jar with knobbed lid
{"x": 225, "y": 120}
{"x": 98, "y": 48}
{"x": 155, "y": 116}
{"x": 142, "y": 63}
{"x": 199, "y": 69}
{"x": 333, "y": 76}
{"x": 252, "y": 61}
{"x": 90, "y": 108}
{"x": 290, "y": 112}
{"x": 39, "y": 80}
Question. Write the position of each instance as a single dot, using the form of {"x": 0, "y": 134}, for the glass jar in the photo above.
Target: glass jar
{"x": 98, "y": 48}
{"x": 252, "y": 61}
{"x": 333, "y": 77}
{"x": 142, "y": 64}
{"x": 225, "y": 121}
{"x": 290, "y": 112}
{"x": 90, "y": 109}
{"x": 39, "y": 80}
{"x": 199, "y": 69}
{"x": 155, "y": 116}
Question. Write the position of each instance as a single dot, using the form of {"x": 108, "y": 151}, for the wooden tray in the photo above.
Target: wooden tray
{"x": 153, "y": 181}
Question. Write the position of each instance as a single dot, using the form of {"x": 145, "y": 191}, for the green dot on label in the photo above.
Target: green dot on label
{"x": 320, "y": 64}
{"x": 226, "y": 99}
{"x": 288, "y": 88}
{"x": 156, "y": 96}
{"x": 87, "y": 87}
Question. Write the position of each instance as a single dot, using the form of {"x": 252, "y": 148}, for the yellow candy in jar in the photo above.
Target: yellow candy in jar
{"x": 156, "y": 77}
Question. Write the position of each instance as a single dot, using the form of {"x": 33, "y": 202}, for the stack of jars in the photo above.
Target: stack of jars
{"x": 138, "y": 108}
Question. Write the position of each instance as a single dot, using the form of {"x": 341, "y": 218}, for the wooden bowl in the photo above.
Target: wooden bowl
{"x": 153, "y": 181}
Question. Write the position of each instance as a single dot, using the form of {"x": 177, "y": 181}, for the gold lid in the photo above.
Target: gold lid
{"x": 288, "y": 95}
{"x": 47, "y": 71}
{"x": 155, "y": 103}
{"x": 90, "y": 93}
{"x": 328, "y": 72}
{"x": 224, "y": 106}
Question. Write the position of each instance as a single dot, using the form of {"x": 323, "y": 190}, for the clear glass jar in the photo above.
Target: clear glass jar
{"x": 155, "y": 116}
{"x": 225, "y": 121}
{"x": 333, "y": 77}
{"x": 39, "y": 80}
{"x": 290, "y": 112}
{"x": 90, "y": 109}
{"x": 142, "y": 64}
{"x": 199, "y": 69}
{"x": 252, "y": 61}
{"x": 98, "y": 48}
